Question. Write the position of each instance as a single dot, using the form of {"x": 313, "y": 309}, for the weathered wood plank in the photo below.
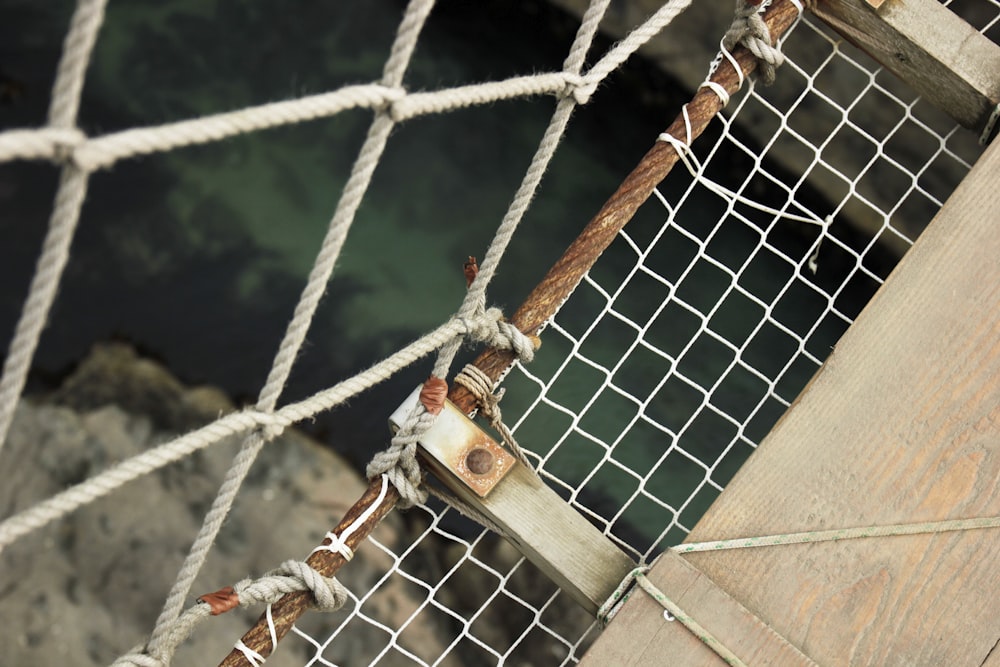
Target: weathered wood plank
{"x": 902, "y": 424}
{"x": 642, "y": 631}
{"x": 551, "y": 534}
{"x": 922, "y": 42}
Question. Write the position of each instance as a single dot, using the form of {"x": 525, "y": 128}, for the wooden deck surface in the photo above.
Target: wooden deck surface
{"x": 902, "y": 424}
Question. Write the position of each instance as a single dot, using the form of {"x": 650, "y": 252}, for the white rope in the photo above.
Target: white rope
{"x": 236, "y": 423}
{"x": 65, "y": 212}
{"x": 290, "y": 577}
{"x": 697, "y": 171}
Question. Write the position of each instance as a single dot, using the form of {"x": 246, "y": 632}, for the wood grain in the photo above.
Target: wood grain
{"x": 936, "y": 53}
{"x": 901, "y": 424}
{"x": 641, "y": 633}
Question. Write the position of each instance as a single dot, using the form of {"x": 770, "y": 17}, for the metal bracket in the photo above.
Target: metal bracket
{"x": 457, "y": 444}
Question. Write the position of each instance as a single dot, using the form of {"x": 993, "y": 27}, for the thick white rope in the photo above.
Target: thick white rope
{"x": 292, "y": 576}
{"x": 235, "y": 423}
{"x": 357, "y": 184}
{"x": 65, "y": 212}
{"x": 66, "y": 144}
{"x": 399, "y": 460}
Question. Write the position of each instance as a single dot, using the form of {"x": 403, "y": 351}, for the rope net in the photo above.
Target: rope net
{"x": 659, "y": 376}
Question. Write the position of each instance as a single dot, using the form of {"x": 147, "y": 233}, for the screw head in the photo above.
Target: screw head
{"x": 479, "y": 461}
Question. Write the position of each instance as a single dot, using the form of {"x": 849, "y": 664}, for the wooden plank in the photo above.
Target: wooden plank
{"x": 922, "y": 42}
{"x": 640, "y": 630}
{"x": 902, "y": 424}
{"x": 578, "y": 557}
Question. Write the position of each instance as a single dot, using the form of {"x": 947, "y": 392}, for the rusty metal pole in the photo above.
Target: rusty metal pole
{"x": 540, "y": 305}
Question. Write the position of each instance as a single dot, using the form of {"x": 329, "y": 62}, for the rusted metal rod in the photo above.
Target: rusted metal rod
{"x": 540, "y": 305}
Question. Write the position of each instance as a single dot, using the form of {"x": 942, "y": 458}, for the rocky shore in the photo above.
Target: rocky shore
{"x": 87, "y": 588}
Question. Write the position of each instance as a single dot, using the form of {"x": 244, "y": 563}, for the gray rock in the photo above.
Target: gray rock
{"x": 85, "y": 589}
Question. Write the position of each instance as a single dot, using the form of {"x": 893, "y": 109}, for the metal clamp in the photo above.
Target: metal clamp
{"x": 459, "y": 446}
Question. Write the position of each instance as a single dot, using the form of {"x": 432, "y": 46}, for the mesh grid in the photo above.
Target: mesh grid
{"x": 680, "y": 349}
{"x": 702, "y": 323}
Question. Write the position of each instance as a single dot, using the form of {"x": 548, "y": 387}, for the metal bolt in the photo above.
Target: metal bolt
{"x": 479, "y": 461}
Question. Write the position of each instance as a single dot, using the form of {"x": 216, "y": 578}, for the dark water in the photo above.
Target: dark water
{"x": 198, "y": 256}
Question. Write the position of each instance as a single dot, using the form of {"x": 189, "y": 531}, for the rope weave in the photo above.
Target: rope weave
{"x": 72, "y": 191}
{"x": 64, "y": 144}
{"x": 357, "y": 184}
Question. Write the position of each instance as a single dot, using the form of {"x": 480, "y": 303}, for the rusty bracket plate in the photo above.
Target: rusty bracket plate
{"x": 459, "y": 446}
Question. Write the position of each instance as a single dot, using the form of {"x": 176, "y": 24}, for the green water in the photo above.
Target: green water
{"x": 198, "y": 256}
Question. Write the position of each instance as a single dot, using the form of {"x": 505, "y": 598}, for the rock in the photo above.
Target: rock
{"x": 86, "y": 588}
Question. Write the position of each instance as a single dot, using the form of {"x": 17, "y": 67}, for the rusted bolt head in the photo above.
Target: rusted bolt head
{"x": 479, "y": 461}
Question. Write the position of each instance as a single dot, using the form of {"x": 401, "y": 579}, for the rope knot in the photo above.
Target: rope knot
{"x": 291, "y": 576}
{"x": 64, "y": 144}
{"x": 748, "y": 28}
{"x": 491, "y": 328}
{"x": 580, "y": 88}
{"x": 268, "y": 424}
{"x": 391, "y": 104}
{"x": 398, "y": 462}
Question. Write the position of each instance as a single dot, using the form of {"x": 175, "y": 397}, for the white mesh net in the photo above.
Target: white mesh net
{"x": 678, "y": 352}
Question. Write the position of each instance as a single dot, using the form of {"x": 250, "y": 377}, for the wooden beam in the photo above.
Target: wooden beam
{"x": 578, "y": 557}
{"x": 901, "y": 424}
{"x": 936, "y": 53}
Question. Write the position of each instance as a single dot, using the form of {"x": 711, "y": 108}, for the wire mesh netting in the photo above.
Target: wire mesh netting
{"x": 700, "y": 326}
{"x": 679, "y": 351}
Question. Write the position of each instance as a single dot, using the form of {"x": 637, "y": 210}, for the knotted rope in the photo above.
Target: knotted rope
{"x": 399, "y": 461}
{"x": 291, "y": 576}
{"x": 482, "y": 387}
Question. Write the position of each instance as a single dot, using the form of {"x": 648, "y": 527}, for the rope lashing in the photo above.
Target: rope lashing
{"x": 614, "y": 602}
{"x": 482, "y": 387}
{"x": 291, "y": 576}
{"x": 748, "y": 28}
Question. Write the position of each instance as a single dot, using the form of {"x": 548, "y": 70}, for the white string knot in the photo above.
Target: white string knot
{"x": 491, "y": 328}
{"x": 290, "y": 577}
{"x": 580, "y": 88}
{"x": 748, "y": 28}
